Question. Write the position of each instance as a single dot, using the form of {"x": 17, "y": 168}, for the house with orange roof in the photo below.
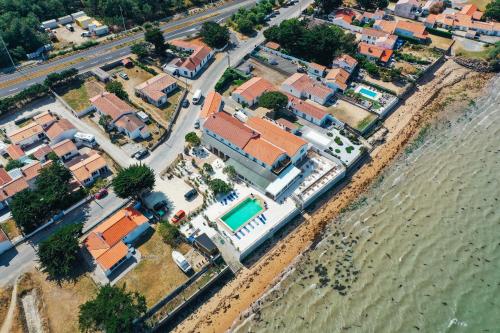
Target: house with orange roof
{"x": 27, "y": 135}
{"x": 156, "y": 89}
{"x": 213, "y": 103}
{"x": 45, "y": 119}
{"x": 375, "y": 53}
{"x": 65, "y": 150}
{"x": 346, "y": 62}
{"x": 194, "y": 63}
{"x": 337, "y": 79}
{"x": 31, "y": 171}
{"x": 60, "y": 130}
{"x": 311, "y": 111}
{"x": 316, "y": 69}
{"x": 111, "y": 243}
{"x": 123, "y": 116}
{"x": 15, "y": 152}
{"x": 273, "y": 46}
{"x": 42, "y": 152}
{"x": 378, "y": 38}
{"x": 250, "y": 91}
{"x": 302, "y": 86}
{"x": 415, "y": 30}
{"x": 472, "y": 11}
{"x": 89, "y": 169}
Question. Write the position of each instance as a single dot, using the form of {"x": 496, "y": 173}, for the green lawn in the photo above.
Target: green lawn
{"x": 473, "y": 54}
{"x": 363, "y": 124}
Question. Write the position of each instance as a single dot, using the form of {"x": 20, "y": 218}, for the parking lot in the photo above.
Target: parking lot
{"x": 66, "y": 37}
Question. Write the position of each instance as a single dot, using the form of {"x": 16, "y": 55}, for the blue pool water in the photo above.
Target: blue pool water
{"x": 242, "y": 213}
{"x": 368, "y": 93}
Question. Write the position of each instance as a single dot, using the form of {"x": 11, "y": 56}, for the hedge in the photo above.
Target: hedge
{"x": 379, "y": 87}
{"x": 438, "y": 32}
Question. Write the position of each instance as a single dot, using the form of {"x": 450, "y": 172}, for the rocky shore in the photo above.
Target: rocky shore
{"x": 450, "y": 86}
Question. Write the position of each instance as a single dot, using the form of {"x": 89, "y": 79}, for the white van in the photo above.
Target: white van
{"x": 197, "y": 96}
{"x": 85, "y": 139}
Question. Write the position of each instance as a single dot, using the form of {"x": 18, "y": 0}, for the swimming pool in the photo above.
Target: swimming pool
{"x": 368, "y": 93}
{"x": 242, "y": 213}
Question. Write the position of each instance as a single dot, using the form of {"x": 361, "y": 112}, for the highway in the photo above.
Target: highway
{"x": 102, "y": 54}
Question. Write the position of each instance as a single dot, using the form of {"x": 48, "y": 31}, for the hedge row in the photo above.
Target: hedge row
{"x": 438, "y": 32}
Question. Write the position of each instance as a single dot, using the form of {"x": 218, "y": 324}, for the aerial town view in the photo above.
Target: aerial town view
{"x": 249, "y": 166}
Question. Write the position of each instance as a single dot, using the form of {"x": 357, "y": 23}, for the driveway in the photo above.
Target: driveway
{"x": 23, "y": 257}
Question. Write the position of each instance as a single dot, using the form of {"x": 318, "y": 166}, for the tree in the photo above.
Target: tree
{"x": 116, "y": 87}
{"x": 373, "y": 4}
{"x": 140, "y": 49}
{"x": 155, "y": 37}
{"x": 214, "y": 35}
{"x": 192, "y": 138}
{"x": 131, "y": 182}
{"x": 230, "y": 171}
{"x": 492, "y": 10}
{"x": 273, "y": 100}
{"x": 327, "y": 6}
{"x": 218, "y": 186}
{"x": 113, "y": 310}
{"x": 54, "y": 79}
{"x": 52, "y": 185}
{"x": 436, "y": 8}
{"x": 168, "y": 232}
{"x": 13, "y": 164}
{"x": 59, "y": 253}
{"x": 208, "y": 168}
{"x": 52, "y": 156}
{"x": 105, "y": 121}
{"x": 28, "y": 210}
{"x": 245, "y": 26}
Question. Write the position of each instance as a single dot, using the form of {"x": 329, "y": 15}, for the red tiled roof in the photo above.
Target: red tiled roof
{"x": 229, "y": 128}
{"x": 287, "y": 124}
{"x": 263, "y": 150}
{"x": 154, "y": 87}
{"x": 308, "y": 107}
{"x": 111, "y": 105}
{"x": 64, "y": 147}
{"x": 83, "y": 169}
{"x": 4, "y": 177}
{"x": 130, "y": 122}
{"x": 25, "y": 132}
{"x": 318, "y": 67}
{"x": 254, "y": 88}
{"x": 305, "y": 84}
{"x": 41, "y": 152}
{"x": 44, "y": 118}
{"x": 58, "y": 128}
{"x": 200, "y": 52}
{"x": 15, "y": 186}
{"x": 212, "y": 104}
{"x": 339, "y": 76}
{"x": 347, "y": 59}
{"x": 273, "y": 46}
{"x": 15, "y": 151}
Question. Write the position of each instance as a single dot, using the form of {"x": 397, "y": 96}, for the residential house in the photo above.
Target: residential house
{"x": 42, "y": 152}
{"x": 288, "y": 125}
{"x": 31, "y": 171}
{"x": 15, "y": 152}
{"x": 5, "y": 242}
{"x": 472, "y": 11}
{"x": 316, "y": 69}
{"x": 110, "y": 243}
{"x": 27, "y": 135}
{"x": 379, "y": 38}
{"x": 250, "y": 91}
{"x": 302, "y": 86}
{"x": 156, "y": 89}
{"x": 368, "y": 17}
{"x": 89, "y": 169}
{"x": 346, "y": 62}
{"x": 122, "y": 115}
{"x": 45, "y": 119}
{"x": 406, "y": 8}
{"x": 60, "y": 130}
{"x": 213, "y": 103}
{"x": 200, "y": 56}
{"x": 343, "y": 18}
{"x": 426, "y": 9}
{"x": 310, "y": 111}
{"x": 65, "y": 150}
{"x": 337, "y": 78}
{"x": 415, "y": 30}
{"x": 464, "y": 22}
{"x": 375, "y": 53}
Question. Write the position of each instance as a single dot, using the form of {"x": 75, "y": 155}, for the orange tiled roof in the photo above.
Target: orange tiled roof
{"x": 263, "y": 150}
{"x": 417, "y": 28}
{"x": 305, "y": 84}
{"x": 130, "y": 122}
{"x": 14, "y": 151}
{"x": 286, "y": 123}
{"x": 42, "y": 152}
{"x": 111, "y": 105}
{"x": 64, "y": 147}
{"x": 83, "y": 169}
{"x": 44, "y": 118}
{"x": 271, "y": 132}
{"x": 200, "y": 52}
{"x": 212, "y": 104}
{"x": 339, "y": 76}
{"x": 4, "y": 177}
{"x": 273, "y": 46}
{"x": 25, "y": 132}
{"x": 230, "y": 128}
{"x": 370, "y": 50}
{"x": 58, "y": 128}
{"x": 310, "y": 108}
{"x": 318, "y": 67}
{"x": 154, "y": 87}
{"x": 3, "y": 236}
{"x": 347, "y": 59}
{"x": 112, "y": 256}
{"x": 32, "y": 170}
{"x": 13, "y": 187}
{"x": 254, "y": 88}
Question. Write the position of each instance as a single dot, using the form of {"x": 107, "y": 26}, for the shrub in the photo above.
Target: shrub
{"x": 168, "y": 232}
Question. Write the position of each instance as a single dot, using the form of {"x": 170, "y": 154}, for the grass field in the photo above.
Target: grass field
{"x": 481, "y": 4}
{"x": 77, "y": 93}
{"x": 10, "y": 228}
{"x": 473, "y": 54}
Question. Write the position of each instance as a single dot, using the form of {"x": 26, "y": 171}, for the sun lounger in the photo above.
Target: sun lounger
{"x": 236, "y": 234}
{"x": 245, "y": 227}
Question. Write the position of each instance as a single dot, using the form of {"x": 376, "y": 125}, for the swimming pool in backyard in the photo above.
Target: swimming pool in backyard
{"x": 242, "y": 213}
{"x": 373, "y": 95}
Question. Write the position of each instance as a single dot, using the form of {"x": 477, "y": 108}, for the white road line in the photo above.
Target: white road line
{"x": 13, "y": 89}
{"x": 94, "y": 62}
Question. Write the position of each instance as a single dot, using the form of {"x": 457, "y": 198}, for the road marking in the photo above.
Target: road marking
{"x": 94, "y": 62}
{"x": 13, "y": 89}
{"x": 108, "y": 58}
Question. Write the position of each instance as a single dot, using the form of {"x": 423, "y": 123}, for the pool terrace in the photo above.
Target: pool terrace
{"x": 243, "y": 212}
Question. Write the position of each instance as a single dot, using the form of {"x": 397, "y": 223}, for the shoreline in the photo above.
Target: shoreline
{"x": 234, "y": 300}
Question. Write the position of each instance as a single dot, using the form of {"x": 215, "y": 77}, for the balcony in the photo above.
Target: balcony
{"x": 281, "y": 165}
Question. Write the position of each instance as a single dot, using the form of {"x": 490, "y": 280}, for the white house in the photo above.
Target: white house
{"x": 65, "y": 150}
{"x": 249, "y": 92}
{"x": 60, "y": 130}
{"x": 346, "y": 62}
{"x": 406, "y": 8}
{"x": 337, "y": 78}
{"x": 192, "y": 65}
{"x": 156, "y": 89}
{"x": 310, "y": 111}
{"x": 379, "y": 38}
{"x": 316, "y": 69}
{"x": 27, "y": 135}
{"x": 302, "y": 86}
{"x": 89, "y": 169}
{"x": 50, "y": 24}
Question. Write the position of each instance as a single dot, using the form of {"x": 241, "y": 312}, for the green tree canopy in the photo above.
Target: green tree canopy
{"x": 131, "y": 182}
{"x": 327, "y": 6}
{"x": 168, "y": 232}
{"x": 59, "y": 253}
{"x": 193, "y": 139}
{"x": 52, "y": 185}
{"x": 214, "y": 34}
{"x": 28, "y": 210}
{"x": 113, "y": 310}
{"x": 373, "y": 4}
{"x": 273, "y": 100}
{"x": 140, "y": 49}
{"x": 493, "y": 10}
{"x": 116, "y": 87}
{"x": 218, "y": 186}
{"x": 230, "y": 171}
{"x": 155, "y": 37}
{"x": 13, "y": 164}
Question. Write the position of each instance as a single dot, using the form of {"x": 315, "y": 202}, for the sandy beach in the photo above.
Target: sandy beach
{"x": 449, "y": 87}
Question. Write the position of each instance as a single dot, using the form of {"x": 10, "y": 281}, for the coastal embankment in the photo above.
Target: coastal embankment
{"x": 451, "y": 86}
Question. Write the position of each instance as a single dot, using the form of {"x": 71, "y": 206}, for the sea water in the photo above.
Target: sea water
{"x": 420, "y": 251}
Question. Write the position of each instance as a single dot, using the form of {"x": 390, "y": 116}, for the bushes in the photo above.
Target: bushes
{"x": 168, "y": 232}
{"x": 229, "y": 76}
{"x": 25, "y": 96}
{"x": 246, "y": 19}
{"x": 144, "y": 67}
{"x": 412, "y": 59}
{"x": 438, "y": 32}
{"x": 55, "y": 79}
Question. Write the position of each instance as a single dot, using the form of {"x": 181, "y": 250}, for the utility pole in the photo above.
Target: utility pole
{"x": 123, "y": 20}
{"x": 8, "y": 53}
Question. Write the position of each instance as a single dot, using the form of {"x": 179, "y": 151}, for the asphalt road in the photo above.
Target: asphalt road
{"x": 102, "y": 54}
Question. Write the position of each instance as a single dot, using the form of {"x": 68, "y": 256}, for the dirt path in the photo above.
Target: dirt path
{"x": 7, "y": 324}
{"x": 31, "y": 314}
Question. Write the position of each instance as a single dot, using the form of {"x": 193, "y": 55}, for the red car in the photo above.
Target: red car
{"x": 178, "y": 217}
{"x": 101, "y": 194}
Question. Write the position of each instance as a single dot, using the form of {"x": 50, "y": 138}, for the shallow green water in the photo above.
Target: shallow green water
{"x": 419, "y": 253}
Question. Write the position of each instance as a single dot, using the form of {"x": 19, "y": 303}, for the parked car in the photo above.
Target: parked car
{"x": 139, "y": 155}
{"x": 123, "y": 75}
{"x": 197, "y": 124}
{"x": 273, "y": 61}
{"x": 101, "y": 194}
{"x": 179, "y": 217}
{"x": 185, "y": 103}
{"x": 161, "y": 208}
{"x": 301, "y": 69}
{"x": 191, "y": 194}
